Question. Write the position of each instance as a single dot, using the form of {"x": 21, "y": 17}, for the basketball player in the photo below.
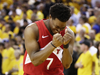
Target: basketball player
{"x": 49, "y": 44}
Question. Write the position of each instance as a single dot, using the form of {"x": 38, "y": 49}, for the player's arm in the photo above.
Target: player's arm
{"x": 37, "y": 57}
{"x": 68, "y": 48}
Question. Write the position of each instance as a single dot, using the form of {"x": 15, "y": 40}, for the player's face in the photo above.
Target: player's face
{"x": 56, "y": 25}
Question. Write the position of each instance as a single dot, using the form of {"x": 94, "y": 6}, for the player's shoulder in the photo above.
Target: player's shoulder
{"x": 31, "y": 29}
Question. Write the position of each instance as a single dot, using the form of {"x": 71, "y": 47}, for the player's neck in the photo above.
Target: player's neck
{"x": 47, "y": 24}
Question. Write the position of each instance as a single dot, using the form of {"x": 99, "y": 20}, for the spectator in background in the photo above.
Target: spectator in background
{"x": 84, "y": 11}
{"x": 1, "y": 47}
{"x": 97, "y": 37}
{"x": 0, "y": 64}
{"x": 33, "y": 18}
{"x": 93, "y": 3}
{"x": 96, "y": 26}
{"x": 6, "y": 8}
{"x": 40, "y": 14}
{"x": 21, "y": 31}
{"x": 3, "y": 13}
{"x": 25, "y": 23}
{"x": 13, "y": 44}
{"x": 2, "y": 24}
{"x": 82, "y": 20}
{"x": 19, "y": 41}
{"x": 11, "y": 23}
{"x": 17, "y": 28}
{"x": 8, "y": 56}
{"x": 72, "y": 70}
{"x": 98, "y": 55}
{"x": 81, "y": 35}
{"x": 1, "y": 50}
{"x": 7, "y": 34}
{"x": 71, "y": 26}
{"x": 17, "y": 8}
{"x": 73, "y": 16}
{"x": 47, "y": 6}
{"x": 92, "y": 35}
{"x": 14, "y": 16}
{"x": 83, "y": 23}
{"x": 24, "y": 18}
{"x": 26, "y": 10}
{"x": 16, "y": 66}
{"x": 93, "y": 51}
{"x": 93, "y": 18}
{"x": 84, "y": 62}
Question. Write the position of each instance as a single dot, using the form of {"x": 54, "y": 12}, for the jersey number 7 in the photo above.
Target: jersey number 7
{"x": 51, "y": 60}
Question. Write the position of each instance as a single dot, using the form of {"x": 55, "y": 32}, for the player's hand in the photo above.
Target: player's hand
{"x": 67, "y": 37}
{"x": 57, "y": 40}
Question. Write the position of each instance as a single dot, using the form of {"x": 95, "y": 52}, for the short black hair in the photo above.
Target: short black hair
{"x": 86, "y": 42}
{"x": 1, "y": 44}
{"x": 60, "y": 11}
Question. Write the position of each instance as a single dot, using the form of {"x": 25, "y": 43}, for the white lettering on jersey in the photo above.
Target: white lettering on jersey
{"x": 58, "y": 52}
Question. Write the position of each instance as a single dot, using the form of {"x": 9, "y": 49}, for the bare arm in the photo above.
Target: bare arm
{"x": 78, "y": 65}
{"x": 67, "y": 53}
{"x": 37, "y": 57}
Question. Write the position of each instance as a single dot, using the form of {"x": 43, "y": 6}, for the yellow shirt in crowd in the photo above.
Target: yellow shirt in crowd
{"x": 0, "y": 33}
{"x": 86, "y": 60}
{"x": 9, "y": 3}
{"x": 2, "y": 27}
{"x": 97, "y": 69}
{"x": 8, "y": 56}
{"x": 6, "y": 35}
{"x": 40, "y": 15}
{"x": 73, "y": 28}
{"x": 15, "y": 18}
{"x": 97, "y": 37}
{"x": 21, "y": 65}
{"x": 29, "y": 14}
{"x": 16, "y": 30}
{"x": 17, "y": 64}
{"x": 99, "y": 64}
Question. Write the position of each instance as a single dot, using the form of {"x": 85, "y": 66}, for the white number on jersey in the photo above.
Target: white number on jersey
{"x": 51, "y": 60}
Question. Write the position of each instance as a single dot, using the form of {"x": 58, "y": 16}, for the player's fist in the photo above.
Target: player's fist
{"x": 57, "y": 40}
{"x": 67, "y": 37}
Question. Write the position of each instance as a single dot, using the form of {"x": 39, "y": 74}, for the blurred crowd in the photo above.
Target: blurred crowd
{"x": 15, "y": 15}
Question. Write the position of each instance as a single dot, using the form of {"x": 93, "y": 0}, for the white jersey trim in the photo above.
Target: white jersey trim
{"x": 27, "y": 59}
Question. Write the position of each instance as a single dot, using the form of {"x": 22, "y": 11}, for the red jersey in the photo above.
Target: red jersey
{"x": 53, "y": 64}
